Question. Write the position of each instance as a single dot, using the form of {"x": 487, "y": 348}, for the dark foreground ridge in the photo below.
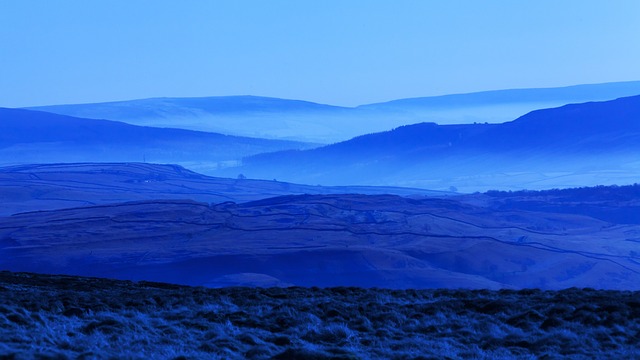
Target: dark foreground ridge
{"x": 45, "y": 316}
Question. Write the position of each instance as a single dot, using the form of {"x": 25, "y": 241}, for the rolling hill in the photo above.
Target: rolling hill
{"x": 573, "y": 145}
{"x": 37, "y": 187}
{"x": 325, "y": 240}
{"x": 251, "y": 116}
{"x": 165, "y": 223}
{"x": 28, "y": 136}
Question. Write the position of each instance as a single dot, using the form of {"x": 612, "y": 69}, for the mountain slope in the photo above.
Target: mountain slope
{"x": 587, "y": 142}
{"x": 36, "y": 137}
{"x": 292, "y": 119}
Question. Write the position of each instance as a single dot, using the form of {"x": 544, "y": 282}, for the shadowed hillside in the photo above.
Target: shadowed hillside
{"x": 39, "y": 137}
{"x": 615, "y": 204}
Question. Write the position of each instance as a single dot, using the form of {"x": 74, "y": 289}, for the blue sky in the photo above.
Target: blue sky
{"x": 332, "y": 51}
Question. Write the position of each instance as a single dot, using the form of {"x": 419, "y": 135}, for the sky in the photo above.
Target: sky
{"x": 339, "y": 52}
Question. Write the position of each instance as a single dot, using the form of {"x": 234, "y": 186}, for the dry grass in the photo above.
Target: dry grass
{"x": 57, "y": 317}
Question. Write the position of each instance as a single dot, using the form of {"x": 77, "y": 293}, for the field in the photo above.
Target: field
{"x": 58, "y": 317}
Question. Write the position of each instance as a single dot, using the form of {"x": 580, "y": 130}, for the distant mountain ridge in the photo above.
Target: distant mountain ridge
{"x": 251, "y": 116}
{"x": 166, "y": 106}
{"x": 567, "y": 94}
{"x": 274, "y": 118}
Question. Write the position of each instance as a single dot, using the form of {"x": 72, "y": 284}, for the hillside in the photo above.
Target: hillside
{"x": 614, "y": 204}
{"x": 574, "y": 145}
{"x": 38, "y": 137}
{"x": 325, "y": 240}
{"x": 56, "y": 186}
{"x": 164, "y": 223}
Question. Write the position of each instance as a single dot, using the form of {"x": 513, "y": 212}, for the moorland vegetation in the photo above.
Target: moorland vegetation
{"x": 46, "y": 316}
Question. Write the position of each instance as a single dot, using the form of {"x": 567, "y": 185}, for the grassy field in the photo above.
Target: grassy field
{"x": 58, "y": 317}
